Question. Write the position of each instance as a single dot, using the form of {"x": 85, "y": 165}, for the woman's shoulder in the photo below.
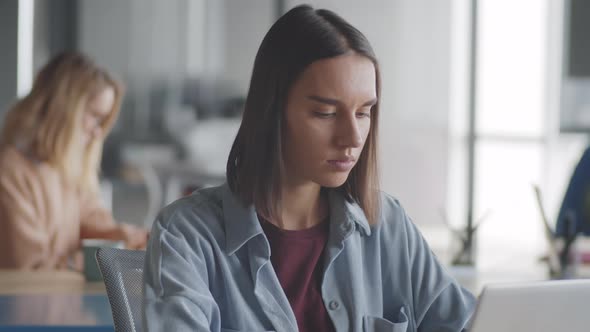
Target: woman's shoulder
{"x": 9, "y": 154}
{"x": 14, "y": 165}
{"x": 393, "y": 221}
{"x": 391, "y": 209}
{"x": 200, "y": 210}
{"x": 390, "y": 201}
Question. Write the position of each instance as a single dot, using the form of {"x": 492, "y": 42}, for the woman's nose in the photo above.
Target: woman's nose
{"x": 349, "y": 133}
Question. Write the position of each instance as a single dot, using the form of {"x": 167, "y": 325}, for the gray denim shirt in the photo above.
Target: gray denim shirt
{"x": 208, "y": 269}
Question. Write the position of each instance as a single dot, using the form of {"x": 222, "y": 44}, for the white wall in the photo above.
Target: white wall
{"x": 246, "y": 24}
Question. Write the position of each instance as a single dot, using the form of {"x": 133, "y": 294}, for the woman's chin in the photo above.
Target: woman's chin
{"x": 334, "y": 181}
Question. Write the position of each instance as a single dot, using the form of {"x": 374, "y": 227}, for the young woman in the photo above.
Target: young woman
{"x": 300, "y": 237}
{"x": 50, "y": 150}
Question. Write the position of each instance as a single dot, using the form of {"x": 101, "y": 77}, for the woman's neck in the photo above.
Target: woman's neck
{"x": 302, "y": 206}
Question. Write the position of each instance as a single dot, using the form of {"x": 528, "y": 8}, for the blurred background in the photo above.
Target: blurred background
{"x": 481, "y": 101}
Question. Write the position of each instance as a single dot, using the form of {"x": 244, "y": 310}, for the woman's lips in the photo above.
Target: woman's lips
{"x": 341, "y": 165}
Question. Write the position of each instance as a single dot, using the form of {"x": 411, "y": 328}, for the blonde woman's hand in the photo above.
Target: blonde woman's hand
{"x": 133, "y": 236}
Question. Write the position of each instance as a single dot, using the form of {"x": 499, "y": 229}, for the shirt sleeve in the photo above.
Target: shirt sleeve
{"x": 24, "y": 243}
{"x": 176, "y": 285}
{"x": 440, "y": 303}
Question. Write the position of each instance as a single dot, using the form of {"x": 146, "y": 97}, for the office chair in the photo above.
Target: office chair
{"x": 122, "y": 271}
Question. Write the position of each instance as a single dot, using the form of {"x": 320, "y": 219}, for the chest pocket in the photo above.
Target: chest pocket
{"x": 378, "y": 324}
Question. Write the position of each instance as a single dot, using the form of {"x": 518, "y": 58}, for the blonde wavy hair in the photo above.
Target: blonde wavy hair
{"x": 47, "y": 123}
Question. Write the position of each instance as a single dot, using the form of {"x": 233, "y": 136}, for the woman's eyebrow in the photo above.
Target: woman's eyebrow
{"x": 336, "y": 102}
{"x": 371, "y": 102}
{"x": 324, "y": 100}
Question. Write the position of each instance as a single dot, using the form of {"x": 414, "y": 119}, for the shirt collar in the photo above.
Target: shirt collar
{"x": 345, "y": 213}
{"x": 242, "y": 224}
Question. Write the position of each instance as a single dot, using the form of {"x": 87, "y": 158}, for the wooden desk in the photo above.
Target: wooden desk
{"x": 14, "y": 282}
{"x": 55, "y": 312}
{"x": 52, "y": 301}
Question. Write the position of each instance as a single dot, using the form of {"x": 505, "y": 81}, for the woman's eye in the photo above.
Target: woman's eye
{"x": 324, "y": 115}
{"x": 364, "y": 112}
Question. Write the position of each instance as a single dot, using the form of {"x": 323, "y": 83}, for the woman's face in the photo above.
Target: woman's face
{"x": 327, "y": 119}
{"x": 97, "y": 111}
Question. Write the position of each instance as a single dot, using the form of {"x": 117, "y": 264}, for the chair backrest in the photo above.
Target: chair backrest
{"x": 122, "y": 271}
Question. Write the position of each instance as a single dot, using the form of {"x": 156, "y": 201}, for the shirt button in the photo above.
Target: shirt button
{"x": 333, "y": 305}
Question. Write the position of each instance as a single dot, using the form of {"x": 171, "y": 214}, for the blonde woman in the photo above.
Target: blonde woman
{"x": 50, "y": 151}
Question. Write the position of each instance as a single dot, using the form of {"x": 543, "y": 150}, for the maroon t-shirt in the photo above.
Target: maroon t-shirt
{"x": 297, "y": 257}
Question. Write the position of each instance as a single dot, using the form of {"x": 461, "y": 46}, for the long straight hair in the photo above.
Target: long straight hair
{"x": 255, "y": 164}
{"x": 47, "y": 123}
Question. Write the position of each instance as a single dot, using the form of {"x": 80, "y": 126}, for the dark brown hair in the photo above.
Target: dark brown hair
{"x": 255, "y": 165}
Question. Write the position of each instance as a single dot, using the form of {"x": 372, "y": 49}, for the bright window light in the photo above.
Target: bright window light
{"x": 24, "y": 76}
{"x": 512, "y": 78}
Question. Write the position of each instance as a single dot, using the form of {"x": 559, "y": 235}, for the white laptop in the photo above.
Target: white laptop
{"x": 545, "y": 306}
